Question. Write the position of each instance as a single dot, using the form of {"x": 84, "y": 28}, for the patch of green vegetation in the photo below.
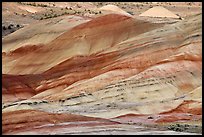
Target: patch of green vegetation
{"x": 33, "y": 4}
{"x": 52, "y": 14}
{"x": 185, "y": 128}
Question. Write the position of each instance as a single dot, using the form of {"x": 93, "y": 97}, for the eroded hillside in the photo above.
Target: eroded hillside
{"x": 112, "y": 71}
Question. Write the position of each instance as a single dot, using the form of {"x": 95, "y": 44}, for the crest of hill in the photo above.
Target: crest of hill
{"x": 159, "y": 11}
{"x": 115, "y": 9}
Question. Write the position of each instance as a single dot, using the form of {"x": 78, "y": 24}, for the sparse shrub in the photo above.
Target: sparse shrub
{"x": 10, "y": 27}
{"x": 100, "y": 3}
{"x": 150, "y": 117}
{"x": 130, "y": 12}
{"x": 35, "y": 103}
{"x": 33, "y": 4}
{"x": 55, "y": 15}
{"x": 23, "y": 15}
{"x": 29, "y": 103}
{"x": 78, "y": 6}
{"x": 4, "y": 27}
{"x": 44, "y": 101}
{"x": 42, "y": 5}
{"x": 39, "y": 5}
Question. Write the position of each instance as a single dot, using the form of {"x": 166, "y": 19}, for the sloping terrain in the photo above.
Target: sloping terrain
{"x": 101, "y": 73}
{"x": 113, "y": 8}
{"x": 159, "y": 12}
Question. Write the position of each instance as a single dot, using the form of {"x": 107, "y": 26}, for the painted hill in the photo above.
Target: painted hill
{"x": 114, "y": 9}
{"x": 102, "y": 74}
{"x": 159, "y": 11}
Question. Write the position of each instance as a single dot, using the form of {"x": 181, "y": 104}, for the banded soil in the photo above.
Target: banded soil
{"x": 110, "y": 73}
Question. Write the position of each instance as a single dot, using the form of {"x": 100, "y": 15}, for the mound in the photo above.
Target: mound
{"x": 115, "y": 9}
{"x": 159, "y": 12}
{"x": 40, "y": 33}
{"x": 84, "y": 39}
